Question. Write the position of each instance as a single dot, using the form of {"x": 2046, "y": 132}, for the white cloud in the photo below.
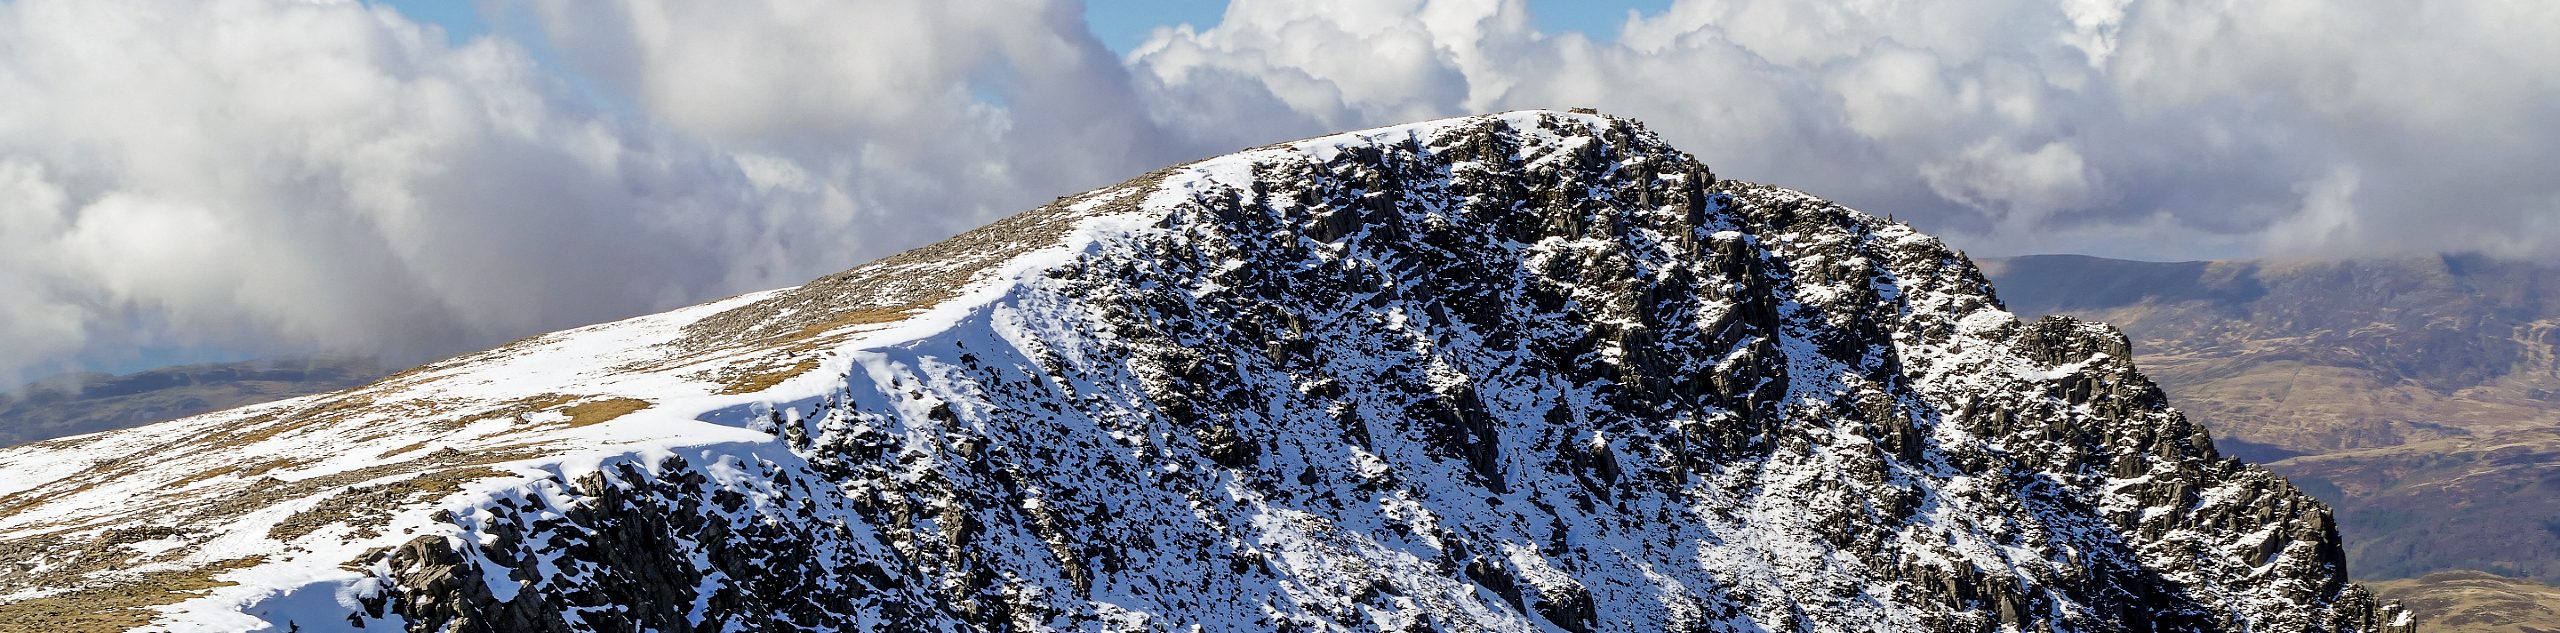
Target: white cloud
{"x": 2094, "y": 27}
{"x": 1338, "y": 63}
{"x": 2019, "y": 189}
{"x": 2327, "y": 217}
{"x": 916, "y": 118}
{"x": 39, "y": 323}
{"x": 2004, "y": 124}
{"x": 276, "y": 176}
{"x": 280, "y": 177}
{"x": 295, "y": 177}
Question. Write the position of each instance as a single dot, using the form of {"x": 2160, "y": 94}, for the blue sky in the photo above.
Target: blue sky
{"x": 460, "y": 18}
{"x": 1123, "y": 24}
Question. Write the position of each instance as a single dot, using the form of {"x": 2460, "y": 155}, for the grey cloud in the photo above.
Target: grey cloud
{"x": 921, "y": 117}
{"x": 2142, "y": 128}
{"x": 301, "y": 177}
{"x": 281, "y": 177}
{"x": 275, "y": 177}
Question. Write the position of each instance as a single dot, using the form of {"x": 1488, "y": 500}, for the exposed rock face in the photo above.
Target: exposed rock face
{"x": 1533, "y": 371}
{"x": 634, "y": 549}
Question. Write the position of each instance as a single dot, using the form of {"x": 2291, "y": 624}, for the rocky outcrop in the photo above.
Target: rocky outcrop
{"x": 1514, "y": 372}
{"x": 658, "y": 547}
{"x": 1523, "y": 372}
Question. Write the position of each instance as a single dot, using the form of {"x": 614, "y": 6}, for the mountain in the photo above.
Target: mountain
{"x": 87, "y": 403}
{"x": 1529, "y": 371}
{"x": 2416, "y": 395}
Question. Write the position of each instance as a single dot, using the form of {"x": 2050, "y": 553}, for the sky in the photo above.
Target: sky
{"x": 187, "y": 180}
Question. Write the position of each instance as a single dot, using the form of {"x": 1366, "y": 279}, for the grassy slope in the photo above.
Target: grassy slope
{"x": 2473, "y": 602}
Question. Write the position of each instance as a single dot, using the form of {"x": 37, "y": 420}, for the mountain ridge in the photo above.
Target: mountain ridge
{"x": 86, "y": 403}
{"x": 1526, "y": 371}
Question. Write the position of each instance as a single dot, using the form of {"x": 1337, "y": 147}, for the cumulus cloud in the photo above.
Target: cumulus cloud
{"x": 2182, "y": 128}
{"x": 2020, "y": 188}
{"x": 922, "y": 118}
{"x": 266, "y": 177}
{"x": 275, "y": 177}
{"x": 302, "y": 177}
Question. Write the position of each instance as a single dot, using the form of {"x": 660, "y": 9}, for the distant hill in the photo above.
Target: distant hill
{"x": 2472, "y": 602}
{"x": 87, "y": 403}
{"x": 2313, "y": 357}
{"x": 2419, "y": 396}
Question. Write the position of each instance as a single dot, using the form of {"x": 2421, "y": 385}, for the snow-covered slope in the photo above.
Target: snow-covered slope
{"x": 1521, "y": 372}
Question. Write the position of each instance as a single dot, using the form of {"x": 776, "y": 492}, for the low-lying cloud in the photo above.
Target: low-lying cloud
{"x": 283, "y": 177}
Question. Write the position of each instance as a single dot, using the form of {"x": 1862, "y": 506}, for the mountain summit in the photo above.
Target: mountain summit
{"x": 1533, "y": 371}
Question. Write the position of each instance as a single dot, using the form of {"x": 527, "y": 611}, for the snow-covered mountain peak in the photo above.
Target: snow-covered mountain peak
{"x": 1527, "y": 371}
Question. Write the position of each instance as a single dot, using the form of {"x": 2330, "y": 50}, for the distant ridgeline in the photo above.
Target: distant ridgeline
{"x": 87, "y": 403}
{"x": 2420, "y": 395}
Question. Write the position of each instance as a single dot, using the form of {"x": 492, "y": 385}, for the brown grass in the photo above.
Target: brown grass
{"x": 267, "y": 492}
{"x": 118, "y": 605}
{"x": 241, "y": 432}
{"x": 582, "y": 411}
{"x": 762, "y": 376}
{"x": 420, "y": 444}
{"x": 890, "y": 288}
{"x": 262, "y": 427}
{"x": 242, "y": 470}
{"x": 594, "y": 412}
{"x": 759, "y": 374}
{"x": 269, "y": 466}
{"x": 202, "y": 475}
{"x": 520, "y": 407}
{"x": 2474, "y": 602}
{"x": 68, "y": 487}
{"x": 585, "y": 412}
{"x": 330, "y": 411}
{"x": 865, "y": 316}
